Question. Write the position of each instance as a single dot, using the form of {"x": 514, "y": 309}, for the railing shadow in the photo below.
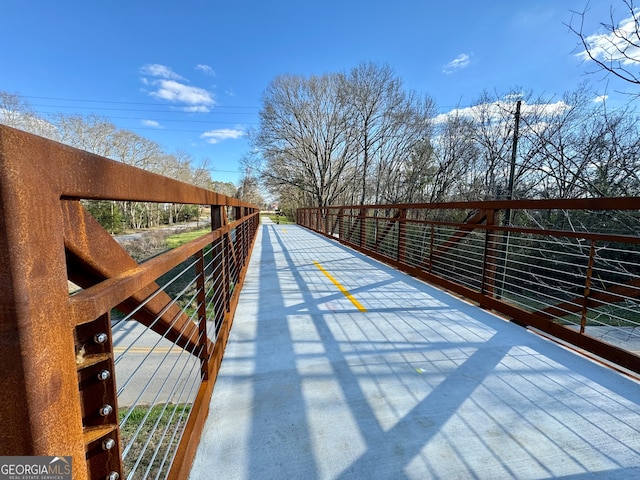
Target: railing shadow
{"x": 404, "y": 391}
{"x": 575, "y": 281}
{"x": 281, "y": 419}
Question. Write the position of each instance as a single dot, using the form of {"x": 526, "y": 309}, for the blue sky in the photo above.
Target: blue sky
{"x": 190, "y": 74}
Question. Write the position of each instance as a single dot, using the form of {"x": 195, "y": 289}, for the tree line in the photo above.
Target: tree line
{"x": 361, "y": 138}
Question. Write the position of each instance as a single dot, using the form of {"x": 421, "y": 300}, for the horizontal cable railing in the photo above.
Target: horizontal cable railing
{"x": 570, "y": 268}
{"x": 157, "y": 381}
{"x": 118, "y": 373}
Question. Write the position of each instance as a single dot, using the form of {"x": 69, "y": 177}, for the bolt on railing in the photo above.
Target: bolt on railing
{"x": 570, "y": 268}
{"x": 117, "y": 375}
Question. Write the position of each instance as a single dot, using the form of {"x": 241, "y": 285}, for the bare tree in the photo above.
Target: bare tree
{"x": 16, "y": 112}
{"x": 249, "y": 190}
{"x": 617, "y": 50}
{"x": 91, "y": 133}
{"x": 492, "y": 128}
{"x": 132, "y": 149}
{"x": 454, "y": 176}
{"x": 345, "y": 138}
{"x": 376, "y": 106}
{"x": 583, "y": 150}
{"x": 225, "y": 188}
{"x": 304, "y": 137}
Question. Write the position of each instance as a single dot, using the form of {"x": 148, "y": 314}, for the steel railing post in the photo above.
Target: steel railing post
{"x": 363, "y": 227}
{"x": 203, "y": 341}
{"x": 431, "y": 247}
{"x": 97, "y": 385}
{"x": 587, "y": 286}
{"x": 402, "y": 240}
{"x": 489, "y": 257}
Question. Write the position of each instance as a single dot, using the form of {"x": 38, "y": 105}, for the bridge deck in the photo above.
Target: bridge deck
{"x": 420, "y": 385}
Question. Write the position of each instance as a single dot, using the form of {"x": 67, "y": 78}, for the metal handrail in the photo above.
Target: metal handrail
{"x": 568, "y": 268}
{"x": 64, "y": 368}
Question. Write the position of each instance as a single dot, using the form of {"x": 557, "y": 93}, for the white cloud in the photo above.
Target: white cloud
{"x": 151, "y": 123}
{"x": 217, "y": 136}
{"x": 157, "y": 70}
{"x": 546, "y": 108}
{"x": 461, "y": 61}
{"x": 498, "y": 111}
{"x": 600, "y": 98}
{"x": 197, "y": 108}
{"x": 177, "y": 92}
{"x": 499, "y": 116}
{"x": 206, "y": 69}
{"x": 171, "y": 87}
{"x": 620, "y": 45}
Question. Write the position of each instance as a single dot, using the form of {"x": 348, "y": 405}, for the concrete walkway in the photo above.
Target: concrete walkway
{"x": 420, "y": 385}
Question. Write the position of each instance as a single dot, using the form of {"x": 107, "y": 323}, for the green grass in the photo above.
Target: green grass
{"x": 179, "y": 239}
{"x": 280, "y": 219}
{"x": 157, "y": 413}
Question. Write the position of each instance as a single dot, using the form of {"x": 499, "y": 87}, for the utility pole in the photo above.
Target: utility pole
{"x": 504, "y": 247}
{"x": 512, "y": 170}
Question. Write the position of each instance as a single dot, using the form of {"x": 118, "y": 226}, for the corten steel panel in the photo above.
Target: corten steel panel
{"x": 40, "y": 403}
{"x": 100, "y": 298}
{"x": 40, "y": 411}
{"x": 78, "y": 174}
{"x": 97, "y": 256}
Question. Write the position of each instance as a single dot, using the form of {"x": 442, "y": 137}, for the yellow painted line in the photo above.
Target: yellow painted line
{"x": 346, "y": 293}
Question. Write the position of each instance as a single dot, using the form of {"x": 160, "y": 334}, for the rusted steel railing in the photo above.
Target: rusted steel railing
{"x": 59, "y": 382}
{"x": 570, "y": 268}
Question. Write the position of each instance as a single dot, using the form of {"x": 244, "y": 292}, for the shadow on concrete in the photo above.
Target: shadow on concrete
{"x": 421, "y": 385}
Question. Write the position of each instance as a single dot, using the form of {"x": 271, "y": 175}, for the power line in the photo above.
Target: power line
{"x": 45, "y": 109}
{"x": 209, "y": 122}
{"x": 142, "y": 110}
{"x": 103, "y": 107}
{"x": 186, "y": 105}
{"x": 160, "y": 129}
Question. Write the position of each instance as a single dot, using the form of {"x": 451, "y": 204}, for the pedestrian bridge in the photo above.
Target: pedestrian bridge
{"x": 510, "y": 351}
{"x": 341, "y": 367}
